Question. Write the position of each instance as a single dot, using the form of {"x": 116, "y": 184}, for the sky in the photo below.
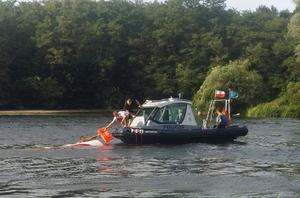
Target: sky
{"x": 253, "y": 4}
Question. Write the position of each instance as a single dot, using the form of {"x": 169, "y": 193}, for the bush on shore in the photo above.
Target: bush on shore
{"x": 236, "y": 76}
{"x": 286, "y": 106}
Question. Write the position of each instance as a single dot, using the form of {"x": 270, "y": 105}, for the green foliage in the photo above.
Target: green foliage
{"x": 7, "y": 46}
{"x": 287, "y": 105}
{"x": 187, "y": 80}
{"x": 297, "y": 2}
{"x": 94, "y": 54}
{"x": 294, "y": 27}
{"x": 294, "y": 31}
{"x": 237, "y": 76}
{"x": 39, "y": 92}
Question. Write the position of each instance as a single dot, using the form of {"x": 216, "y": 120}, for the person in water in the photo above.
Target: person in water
{"x": 128, "y": 107}
{"x": 221, "y": 119}
{"x": 84, "y": 138}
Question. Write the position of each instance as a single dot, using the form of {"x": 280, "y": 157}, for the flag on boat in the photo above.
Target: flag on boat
{"x": 219, "y": 94}
{"x": 233, "y": 94}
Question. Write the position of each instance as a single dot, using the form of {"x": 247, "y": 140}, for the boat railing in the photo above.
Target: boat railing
{"x": 212, "y": 107}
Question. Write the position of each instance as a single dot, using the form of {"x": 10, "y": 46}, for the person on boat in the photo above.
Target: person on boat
{"x": 179, "y": 117}
{"x": 119, "y": 117}
{"x": 128, "y": 106}
{"x": 225, "y": 113}
{"x": 221, "y": 119}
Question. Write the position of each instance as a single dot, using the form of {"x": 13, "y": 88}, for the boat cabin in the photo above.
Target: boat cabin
{"x": 171, "y": 111}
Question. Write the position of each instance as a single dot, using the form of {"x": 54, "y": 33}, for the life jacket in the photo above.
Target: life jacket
{"x": 105, "y": 134}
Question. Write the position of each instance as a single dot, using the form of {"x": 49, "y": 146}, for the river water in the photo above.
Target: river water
{"x": 265, "y": 163}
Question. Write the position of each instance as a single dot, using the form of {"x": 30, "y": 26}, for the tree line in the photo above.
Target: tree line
{"x": 94, "y": 54}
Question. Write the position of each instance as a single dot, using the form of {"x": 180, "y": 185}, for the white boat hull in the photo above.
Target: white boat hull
{"x": 94, "y": 143}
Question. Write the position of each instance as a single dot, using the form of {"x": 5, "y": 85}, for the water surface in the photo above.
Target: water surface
{"x": 33, "y": 164}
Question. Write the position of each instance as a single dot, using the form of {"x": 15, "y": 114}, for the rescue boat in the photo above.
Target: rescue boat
{"x": 172, "y": 121}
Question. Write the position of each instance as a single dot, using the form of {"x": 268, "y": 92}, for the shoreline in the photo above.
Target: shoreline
{"x": 53, "y": 112}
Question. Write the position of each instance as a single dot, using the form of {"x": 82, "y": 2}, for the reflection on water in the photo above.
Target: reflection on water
{"x": 265, "y": 163}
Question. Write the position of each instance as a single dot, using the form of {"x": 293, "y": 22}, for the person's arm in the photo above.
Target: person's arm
{"x": 111, "y": 122}
{"x": 123, "y": 122}
{"x": 138, "y": 103}
{"x": 125, "y": 106}
{"x": 218, "y": 120}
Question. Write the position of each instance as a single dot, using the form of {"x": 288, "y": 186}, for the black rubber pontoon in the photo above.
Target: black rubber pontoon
{"x": 175, "y": 136}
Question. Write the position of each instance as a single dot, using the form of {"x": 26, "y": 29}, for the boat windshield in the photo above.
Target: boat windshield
{"x": 145, "y": 112}
{"x": 172, "y": 114}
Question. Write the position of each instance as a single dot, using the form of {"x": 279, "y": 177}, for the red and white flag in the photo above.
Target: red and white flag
{"x": 219, "y": 94}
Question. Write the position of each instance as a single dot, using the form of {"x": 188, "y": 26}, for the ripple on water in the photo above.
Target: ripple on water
{"x": 265, "y": 163}
{"x": 12, "y": 188}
